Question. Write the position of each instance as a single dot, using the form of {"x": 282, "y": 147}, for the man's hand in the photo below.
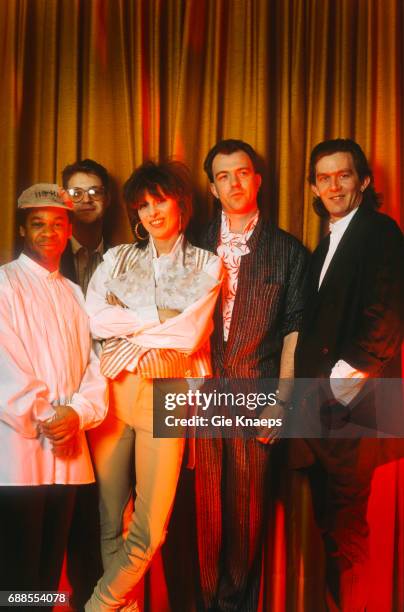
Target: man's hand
{"x": 66, "y": 450}
{"x": 270, "y": 435}
{"x": 62, "y": 429}
{"x": 285, "y": 387}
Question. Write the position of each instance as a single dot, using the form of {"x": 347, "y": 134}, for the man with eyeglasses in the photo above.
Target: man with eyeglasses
{"x": 88, "y": 185}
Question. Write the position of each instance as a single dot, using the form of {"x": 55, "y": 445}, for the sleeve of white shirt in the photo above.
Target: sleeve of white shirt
{"x": 346, "y": 382}
{"x": 23, "y": 397}
{"x": 91, "y": 400}
{"x": 107, "y": 321}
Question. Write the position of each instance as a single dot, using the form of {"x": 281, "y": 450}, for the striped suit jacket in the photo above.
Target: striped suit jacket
{"x": 268, "y": 305}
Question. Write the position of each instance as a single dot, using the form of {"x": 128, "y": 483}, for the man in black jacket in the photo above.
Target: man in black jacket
{"x": 256, "y": 326}
{"x": 88, "y": 185}
{"x": 351, "y": 330}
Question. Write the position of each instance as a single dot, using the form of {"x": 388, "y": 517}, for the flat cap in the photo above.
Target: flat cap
{"x": 45, "y": 194}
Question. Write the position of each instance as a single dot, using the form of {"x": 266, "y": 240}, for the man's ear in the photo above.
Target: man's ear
{"x": 315, "y": 190}
{"x": 365, "y": 183}
{"x": 258, "y": 179}
{"x": 214, "y": 190}
{"x": 69, "y": 230}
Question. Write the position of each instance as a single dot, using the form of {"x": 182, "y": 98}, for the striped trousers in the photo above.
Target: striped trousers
{"x": 231, "y": 491}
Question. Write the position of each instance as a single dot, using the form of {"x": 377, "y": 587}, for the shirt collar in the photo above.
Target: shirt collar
{"x": 338, "y": 227}
{"x": 247, "y": 229}
{"x": 178, "y": 245}
{"x": 37, "y": 268}
{"x": 76, "y": 246}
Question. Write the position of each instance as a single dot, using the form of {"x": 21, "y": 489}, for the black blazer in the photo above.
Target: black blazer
{"x": 67, "y": 266}
{"x": 357, "y": 315}
{"x": 268, "y": 305}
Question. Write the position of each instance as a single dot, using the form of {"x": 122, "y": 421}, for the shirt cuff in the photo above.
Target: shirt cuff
{"x": 81, "y": 410}
{"x": 346, "y": 382}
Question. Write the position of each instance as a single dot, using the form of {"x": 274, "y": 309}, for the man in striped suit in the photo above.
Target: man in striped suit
{"x": 88, "y": 185}
{"x": 256, "y": 327}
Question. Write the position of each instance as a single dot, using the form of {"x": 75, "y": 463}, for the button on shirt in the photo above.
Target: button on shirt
{"x": 45, "y": 360}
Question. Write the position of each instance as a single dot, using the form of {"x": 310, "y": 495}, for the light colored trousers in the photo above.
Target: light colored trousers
{"x": 121, "y": 445}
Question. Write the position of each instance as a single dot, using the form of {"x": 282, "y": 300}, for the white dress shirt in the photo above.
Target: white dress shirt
{"x": 337, "y": 230}
{"x": 344, "y": 390}
{"x": 45, "y": 360}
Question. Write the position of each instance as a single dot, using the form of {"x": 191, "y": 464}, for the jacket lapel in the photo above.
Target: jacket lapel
{"x": 247, "y": 263}
{"x": 210, "y": 238}
{"x": 343, "y": 255}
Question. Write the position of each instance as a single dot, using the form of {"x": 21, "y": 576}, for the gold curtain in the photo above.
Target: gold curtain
{"x": 124, "y": 80}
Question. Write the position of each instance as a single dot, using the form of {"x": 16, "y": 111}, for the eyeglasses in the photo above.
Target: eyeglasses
{"x": 94, "y": 193}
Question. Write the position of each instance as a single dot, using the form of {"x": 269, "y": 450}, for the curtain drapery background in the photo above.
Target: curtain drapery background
{"x": 121, "y": 81}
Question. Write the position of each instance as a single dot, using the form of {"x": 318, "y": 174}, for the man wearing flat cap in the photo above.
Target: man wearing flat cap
{"x": 51, "y": 391}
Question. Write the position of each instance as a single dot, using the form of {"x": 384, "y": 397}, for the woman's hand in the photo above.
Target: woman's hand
{"x": 167, "y": 313}
{"x": 112, "y": 300}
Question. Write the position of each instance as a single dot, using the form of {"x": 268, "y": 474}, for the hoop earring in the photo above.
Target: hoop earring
{"x": 137, "y": 234}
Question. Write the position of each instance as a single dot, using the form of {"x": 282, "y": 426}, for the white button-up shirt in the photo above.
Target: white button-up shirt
{"x": 343, "y": 391}
{"x": 45, "y": 360}
{"x": 337, "y": 230}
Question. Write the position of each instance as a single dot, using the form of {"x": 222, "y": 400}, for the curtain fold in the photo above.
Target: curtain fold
{"x": 121, "y": 81}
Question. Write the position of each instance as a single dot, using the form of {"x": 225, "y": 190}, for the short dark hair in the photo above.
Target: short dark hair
{"x": 170, "y": 178}
{"x": 87, "y": 166}
{"x": 22, "y": 214}
{"x": 343, "y": 145}
{"x": 227, "y": 147}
